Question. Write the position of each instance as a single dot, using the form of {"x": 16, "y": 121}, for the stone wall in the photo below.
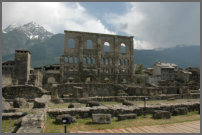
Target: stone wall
{"x": 103, "y": 89}
{"x": 22, "y": 91}
{"x": 90, "y": 89}
{"x": 116, "y": 110}
{"x": 95, "y": 63}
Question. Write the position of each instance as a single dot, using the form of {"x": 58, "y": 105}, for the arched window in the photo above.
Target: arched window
{"x": 71, "y": 60}
{"x": 106, "y": 47}
{"x": 89, "y": 60}
{"x": 122, "y": 62}
{"x": 71, "y": 43}
{"x": 75, "y": 60}
{"x": 51, "y": 80}
{"x": 66, "y": 59}
{"x": 126, "y": 62}
{"x": 84, "y": 60}
{"x": 102, "y": 61}
{"x": 89, "y": 44}
{"x": 106, "y": 61}
{"x": 119, "y": 62}
{"x": 123, "y": 48}
{"x": 93, "y": 60}
{"x": 110, "y": 61}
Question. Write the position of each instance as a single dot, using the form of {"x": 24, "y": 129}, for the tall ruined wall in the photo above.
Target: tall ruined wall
{"x": 85, "y": 58}
{"x": 22, "y": 66}
{"x": 7, "y": 73}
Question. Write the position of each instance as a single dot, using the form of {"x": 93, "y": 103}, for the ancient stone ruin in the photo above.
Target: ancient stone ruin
{"x": 94, "y": 68}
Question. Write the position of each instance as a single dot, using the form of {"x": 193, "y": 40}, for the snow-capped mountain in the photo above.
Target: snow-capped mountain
{"x": 32, "y": 30}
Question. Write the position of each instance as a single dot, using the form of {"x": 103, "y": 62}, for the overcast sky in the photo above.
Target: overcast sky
{"x": 153, "y": 24}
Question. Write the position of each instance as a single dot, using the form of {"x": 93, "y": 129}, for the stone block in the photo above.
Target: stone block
{"x": 101, "y": 118}
{"x": 13, "y": 115}
{"x": 126, "y": 116}
{"x": 127, "y": 103}
{"x": 5, "y": 105}
{"x": 93, "y": 103}
{"x": 39, "y": 103}
{"x": 20, "y": 103}
{"x": 180, "y": 111}
{"x": 159, "y": 114}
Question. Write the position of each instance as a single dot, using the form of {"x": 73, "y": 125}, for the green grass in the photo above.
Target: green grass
{"x": 150, "y": 102}
{"x": 8, "y": 126}
{"x": 86, "y": 124}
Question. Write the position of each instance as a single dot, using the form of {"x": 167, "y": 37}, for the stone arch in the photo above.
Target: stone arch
{"x": 71, "y": 43}
{"x": 90, "y": 79}
{"x": 89, "y": 60}
{"x": 89, "y": 44}
{"x": 71, "y": 59}
{"x": 106, "y": 80}
{"x": 66, "y": 59}
{"x": 123, "y": 48}
{"x": 76, "y": 60}
{"x": 70, "y": 79}
{"x": 94, "y": 60}
{"x": 106, "y": 47}
{"x": 51, "y": 80}
{"x": 84, "y": 60}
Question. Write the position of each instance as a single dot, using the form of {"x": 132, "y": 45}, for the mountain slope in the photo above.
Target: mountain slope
{"x": 32, "y": 30}
{"x": 47, "y": 48}
{"x": 183, "y": 56}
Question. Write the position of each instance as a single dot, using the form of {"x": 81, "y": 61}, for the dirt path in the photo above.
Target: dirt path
{"x": 185, "y": 127}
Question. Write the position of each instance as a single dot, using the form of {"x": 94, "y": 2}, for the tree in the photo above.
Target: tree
{"x": 139, "y": 69}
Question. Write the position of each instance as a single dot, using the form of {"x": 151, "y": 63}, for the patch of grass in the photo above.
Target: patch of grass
{"x": 150, "y": 102}
{"x": 86, "y": 124}
{"x": 111, "y": 103}
{"x": 8, "y": 126}
{"x": 61, "y": 105}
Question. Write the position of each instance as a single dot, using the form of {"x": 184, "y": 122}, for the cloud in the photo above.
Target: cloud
{"x": 54, "y": 16}
{"x": 159, "y": 24}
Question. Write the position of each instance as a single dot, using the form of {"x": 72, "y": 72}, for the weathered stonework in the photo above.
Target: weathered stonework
{"x": 83, "y": 64}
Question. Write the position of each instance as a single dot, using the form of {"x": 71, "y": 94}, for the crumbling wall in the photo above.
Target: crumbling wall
{"x": 6, "y": 80}
{"x": 100, "y": 89}
{"x": 27, "y": 92}
{"x": 86, "y": 56}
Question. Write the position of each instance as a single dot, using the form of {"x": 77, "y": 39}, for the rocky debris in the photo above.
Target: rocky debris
{"x": 5, "y": 105}
{"x": 93, "y": 103}
{"x": 40, "y": 103}
{"x": 101, "y": 118}
{"x": 20, "y": 103}
{"x": 170, "y": 99}
{"x": 65, "y": 116}
{"x": 159, "y": 114}
{"x": 119, "y": 109}
{"x": 18, "y": 122}
{"x": 32, "y": 123}
{"x": 13, "y": 115}
{"x": 180, "y": 111}
{"x": 10, "y": 110}
{"x": 46, "y": 97}
{"x": 127, "y": 103}
{"x": 74, "y": 105}
{"x": 126, "y": 116}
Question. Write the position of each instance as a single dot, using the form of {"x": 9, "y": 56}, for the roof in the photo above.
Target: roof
{"x": 23, "y": 51}
{"x": 165, "y": 65}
